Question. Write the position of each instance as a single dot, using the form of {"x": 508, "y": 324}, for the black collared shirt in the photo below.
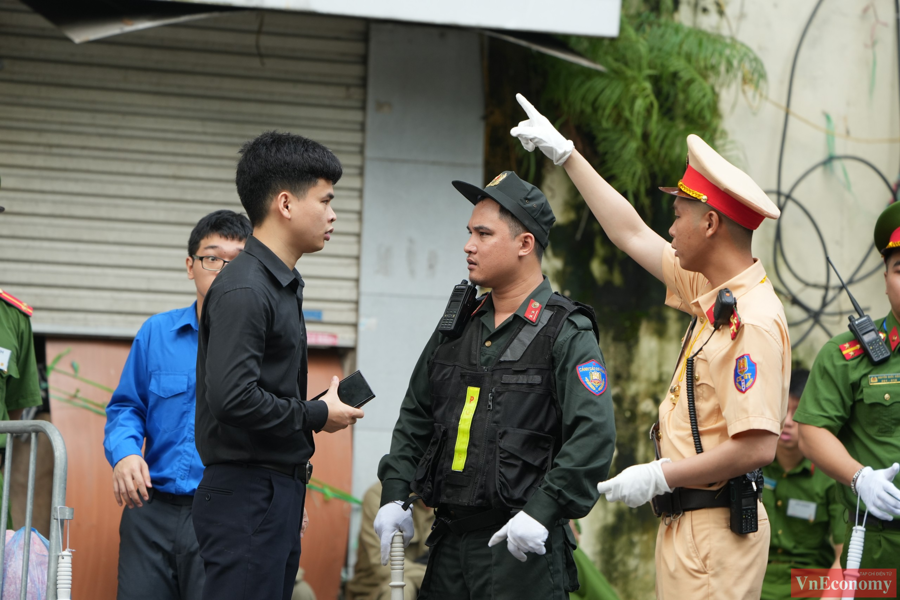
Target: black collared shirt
{"x": 252, "y": 365}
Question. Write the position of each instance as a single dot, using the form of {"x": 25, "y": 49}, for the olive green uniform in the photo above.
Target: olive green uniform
{"x": 19, "y": 384}
{"x": 860, "y": 404}
{"x": 806, "y": 519}
{"x": 464, "y": 566}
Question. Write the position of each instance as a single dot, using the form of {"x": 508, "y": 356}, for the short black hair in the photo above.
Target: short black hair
{"x": 227, "y": 223}
{"x": 274, "y": 162}
{"x": 516, "y": 228}
{"x": 799, "y": 377}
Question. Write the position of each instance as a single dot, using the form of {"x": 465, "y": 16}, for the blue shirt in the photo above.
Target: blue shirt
{"x": 156, "y": 400}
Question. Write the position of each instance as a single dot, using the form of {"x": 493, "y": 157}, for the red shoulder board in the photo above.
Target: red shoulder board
{"x": 533, "y": 311}
{"x": 10, "y": 299}
{"x": 894, "y": 338}
{"x": 851, "y": 349}
{"x": 735, "y": 323}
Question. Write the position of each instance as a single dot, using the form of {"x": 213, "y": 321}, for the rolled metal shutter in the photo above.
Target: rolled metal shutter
{"x": 111, "y": 151}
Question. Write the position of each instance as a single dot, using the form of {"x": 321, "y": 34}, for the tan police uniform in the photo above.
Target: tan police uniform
{"x": 741, "y": 379}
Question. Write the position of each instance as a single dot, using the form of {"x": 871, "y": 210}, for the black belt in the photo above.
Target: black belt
{"x": 168, "y": 498}
{"x": 886, "y": 525}
{"x": 461, "y": 521}
{"x": 681, "y": 500}
{"x": 302, "y": 472}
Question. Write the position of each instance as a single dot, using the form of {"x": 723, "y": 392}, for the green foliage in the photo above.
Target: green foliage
{"x": 662, "y": 83}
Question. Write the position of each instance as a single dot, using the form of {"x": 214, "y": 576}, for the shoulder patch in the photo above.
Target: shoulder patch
{"x": 851, "y": 349}
{"x": 592, "y": 376}
{"x": 744, "y": 373}
{"x": 12, "y": 300}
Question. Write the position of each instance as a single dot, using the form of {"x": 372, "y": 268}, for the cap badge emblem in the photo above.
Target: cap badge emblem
{"x": 496, "y": 180}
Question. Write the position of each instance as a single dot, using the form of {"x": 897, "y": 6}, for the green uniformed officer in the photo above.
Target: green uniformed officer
{"x": 805, "y": 512}
{"x": 19, "y": 384}
{"x": 850, "y": 417}
{"x": 505, "y": 429}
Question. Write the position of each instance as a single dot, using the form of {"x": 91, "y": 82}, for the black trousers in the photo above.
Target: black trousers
{"x": 247, "y": 521}
{"x": 158, "y": 554}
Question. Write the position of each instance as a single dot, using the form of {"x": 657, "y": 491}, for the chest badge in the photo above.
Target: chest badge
{"x": 593, "y": 376}
{"x": 533, "y": 311}
{"x": 744, "y": 373}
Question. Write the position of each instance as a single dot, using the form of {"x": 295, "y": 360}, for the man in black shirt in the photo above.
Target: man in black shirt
{"x": 253, "y": 424}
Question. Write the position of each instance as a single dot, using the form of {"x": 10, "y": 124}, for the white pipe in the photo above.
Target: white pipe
{"x": 854, "y": 557}
{"x": 398, "y": 556}
{"x": 64, "y": 576}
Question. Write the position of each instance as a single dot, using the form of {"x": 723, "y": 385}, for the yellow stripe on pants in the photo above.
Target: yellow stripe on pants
{"x": 465, "y": 425}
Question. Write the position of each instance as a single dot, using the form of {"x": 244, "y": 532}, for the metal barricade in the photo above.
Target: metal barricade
{"x": 59, "y": 511}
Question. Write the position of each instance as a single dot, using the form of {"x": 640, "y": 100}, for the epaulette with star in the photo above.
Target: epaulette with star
{"x": 851, "y": 349}
{"x": 10, "y": 299}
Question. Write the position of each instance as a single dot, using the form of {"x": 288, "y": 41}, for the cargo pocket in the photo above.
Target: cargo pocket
{"x": 523, "y": 457}
{"x": 423, "y": 482}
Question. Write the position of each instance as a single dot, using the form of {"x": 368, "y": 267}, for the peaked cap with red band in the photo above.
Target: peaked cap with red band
{"x": 887, "y": 229}
{"x": 711, "y": 179}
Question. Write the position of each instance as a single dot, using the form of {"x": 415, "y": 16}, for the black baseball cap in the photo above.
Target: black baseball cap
{"x": 525, "y": 201}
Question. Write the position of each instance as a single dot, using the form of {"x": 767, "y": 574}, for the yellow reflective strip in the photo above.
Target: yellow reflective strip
{"x": 465, "y": 424}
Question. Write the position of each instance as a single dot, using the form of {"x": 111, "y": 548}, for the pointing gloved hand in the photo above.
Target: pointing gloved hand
{"x": 637, "y": 484}
{"x": 538, "y": 132}
{"x": 390, "y": 519}
{"x": 522, "y": 534}
{"x": 877, "y": 490}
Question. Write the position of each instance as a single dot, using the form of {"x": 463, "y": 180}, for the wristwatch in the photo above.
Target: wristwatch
{"x": 853, "y": 481}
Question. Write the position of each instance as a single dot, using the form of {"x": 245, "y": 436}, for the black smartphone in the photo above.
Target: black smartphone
{"x": 353, "y": 390}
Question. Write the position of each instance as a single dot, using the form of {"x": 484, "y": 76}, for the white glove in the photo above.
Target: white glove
{"x": 522, "y": 534}
{"x": 637, "y": 484}
{"x": 537, "y": 131}
{"x": 877, "y": 490}
{"x": 390, "y": 519}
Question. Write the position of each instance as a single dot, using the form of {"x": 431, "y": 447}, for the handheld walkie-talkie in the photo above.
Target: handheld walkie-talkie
{"x": 863, "y": 328}
{"x": 459, "y": 309}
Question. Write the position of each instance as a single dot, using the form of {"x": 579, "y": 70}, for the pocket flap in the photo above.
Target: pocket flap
{"x": 530, "y": 446}
{"x": 166, "y": 385}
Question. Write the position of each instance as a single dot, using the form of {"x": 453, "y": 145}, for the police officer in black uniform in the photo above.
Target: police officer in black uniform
{"x": 505, "y": 429}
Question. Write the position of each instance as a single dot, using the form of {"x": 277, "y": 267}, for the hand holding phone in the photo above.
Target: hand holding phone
{"x": 344, "y": 399}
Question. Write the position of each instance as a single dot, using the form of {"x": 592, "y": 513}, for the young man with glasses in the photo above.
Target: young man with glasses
{"x": 158, "y": 553}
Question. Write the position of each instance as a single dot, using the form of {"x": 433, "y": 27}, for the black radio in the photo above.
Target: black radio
{"x": 745, "y": 492}
{"x": 864, "y": 329}
{"x": 459, "y": 310}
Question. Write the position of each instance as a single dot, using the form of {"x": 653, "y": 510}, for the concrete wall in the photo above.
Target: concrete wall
{"x": 847, "y": 68}
{"x": 424, "y": 128}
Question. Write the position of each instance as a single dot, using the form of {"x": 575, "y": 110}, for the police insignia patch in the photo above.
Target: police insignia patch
{"x": 744, "y": 373}
{"x": 593, "y": 376}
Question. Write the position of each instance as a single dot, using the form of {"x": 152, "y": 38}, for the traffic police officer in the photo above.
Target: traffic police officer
{"x": 505, "y": 428}
{"x": 805, "y": 513}
{"x": 19, "y": 384}
{"x": 740, "y": 382}
{"x": 850, "y": 413}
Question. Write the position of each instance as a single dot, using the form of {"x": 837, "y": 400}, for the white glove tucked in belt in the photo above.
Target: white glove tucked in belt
{"x": 390, "y": 519}
{"x": 637, "y": 484}
{"x": 538, "y": 132}
{"x": 877, "y": 490}
{"x": 522, "y": 534}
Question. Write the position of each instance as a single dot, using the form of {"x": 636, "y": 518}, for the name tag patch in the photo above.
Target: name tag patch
{"x": 801, "y": 509}
{"x": 593, "y": 376}
{"x": 744, "y": 373}
{"x": 885, "y": 379}
{"x": 5, "y": 354}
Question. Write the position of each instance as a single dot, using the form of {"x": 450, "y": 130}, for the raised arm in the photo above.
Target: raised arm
{"x": 618, "y": 218}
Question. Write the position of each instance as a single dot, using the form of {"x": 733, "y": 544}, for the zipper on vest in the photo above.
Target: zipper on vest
{"x": 491, "y": 400}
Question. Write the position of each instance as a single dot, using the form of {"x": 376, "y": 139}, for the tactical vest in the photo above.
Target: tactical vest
{"x": 496, "y": 428}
